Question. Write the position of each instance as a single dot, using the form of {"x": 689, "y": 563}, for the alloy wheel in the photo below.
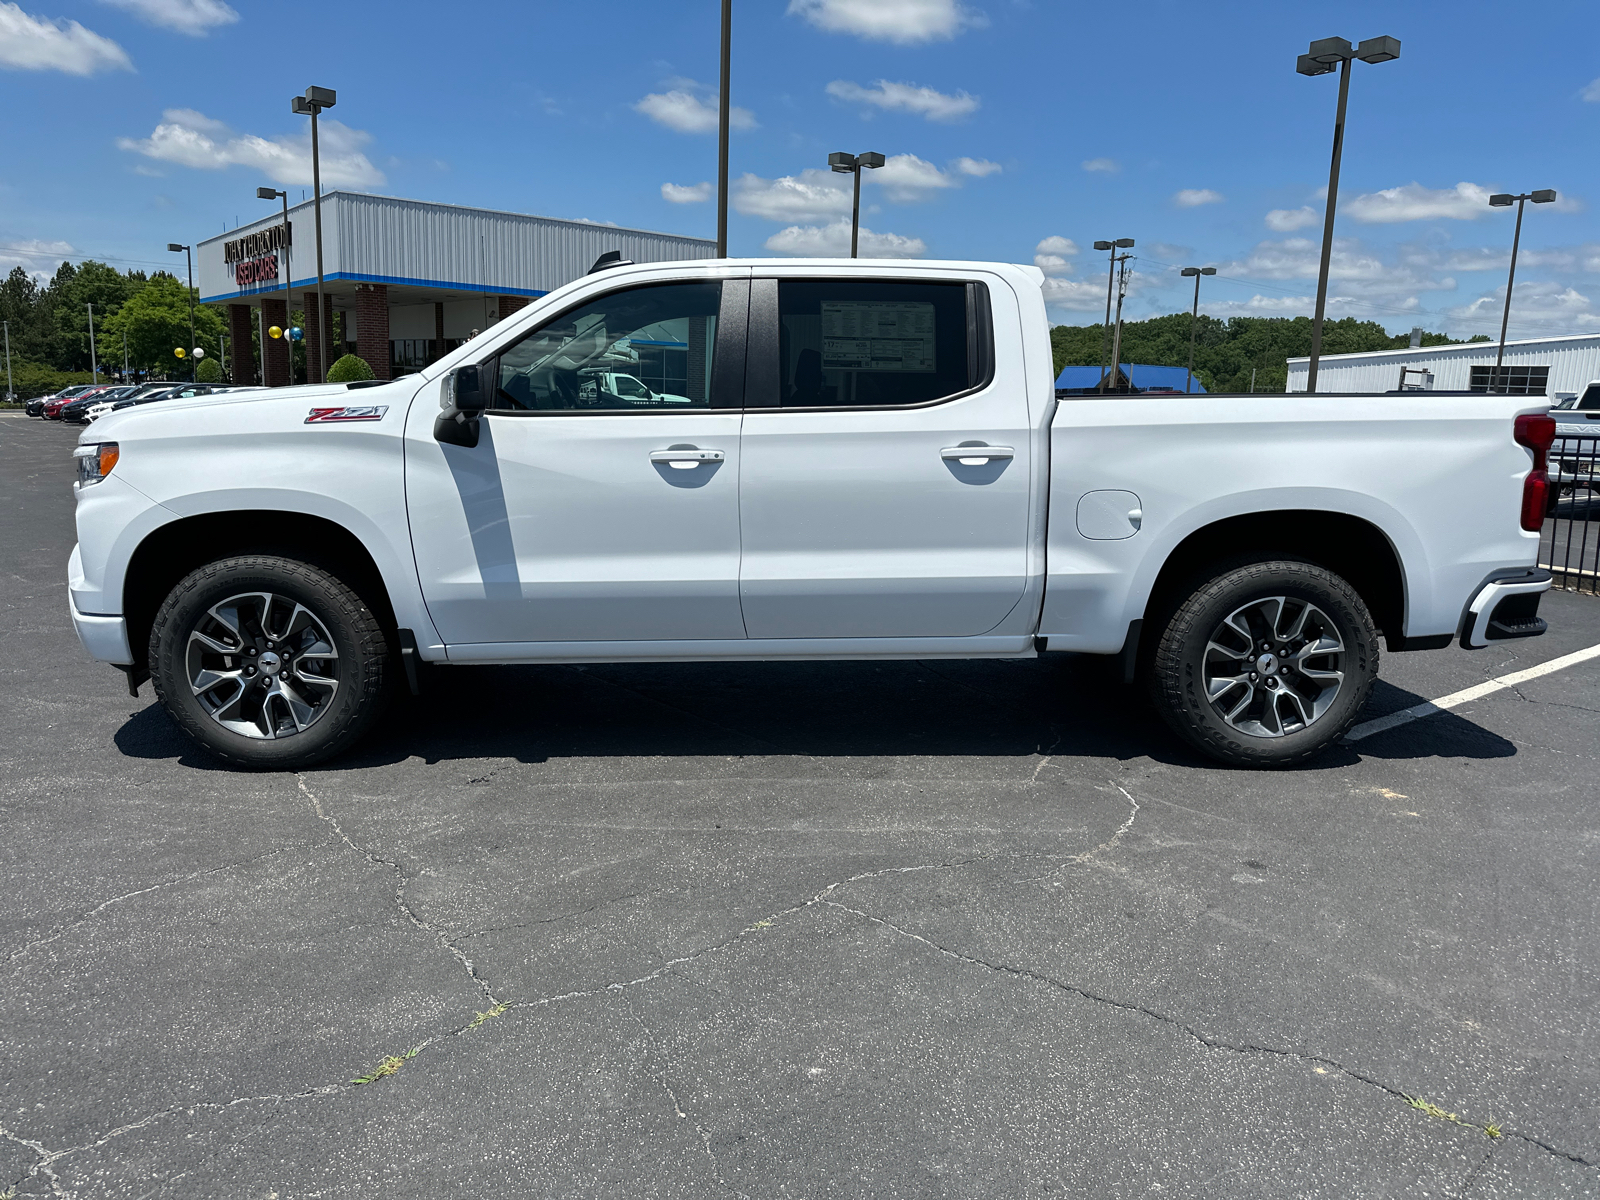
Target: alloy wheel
{"x": 262, "y": 665}
{"x": 1274, "y": 666}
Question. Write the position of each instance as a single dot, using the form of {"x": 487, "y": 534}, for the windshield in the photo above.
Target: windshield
{"x": 1591, "y": 399}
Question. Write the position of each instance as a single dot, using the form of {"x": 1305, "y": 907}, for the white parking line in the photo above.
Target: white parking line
{"x": 1465, "y": 696}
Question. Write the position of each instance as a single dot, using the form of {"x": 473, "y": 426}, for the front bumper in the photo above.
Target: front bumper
{"x": 1506, "y": 608}
{"x": 104, "y": 637}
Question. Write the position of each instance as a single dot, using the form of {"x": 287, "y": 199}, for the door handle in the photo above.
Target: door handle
{"x": 686, "y": 460}
{"x": 976, "y": 456}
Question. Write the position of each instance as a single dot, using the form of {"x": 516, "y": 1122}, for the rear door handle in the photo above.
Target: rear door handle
{"x": 686, "y": 460}
{"x": 976, "y": 456}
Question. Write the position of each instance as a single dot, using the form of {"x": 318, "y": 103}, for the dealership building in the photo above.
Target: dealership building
{"x": 1536, "y": 367}
{"x": 413, "y": 279}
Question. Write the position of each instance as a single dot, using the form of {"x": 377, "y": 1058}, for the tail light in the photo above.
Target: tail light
{"x": 1536, "y": 431}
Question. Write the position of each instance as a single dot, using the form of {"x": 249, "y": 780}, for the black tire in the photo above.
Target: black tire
{"x": 361, "y": 669}
{"x": 1182, "y": 666}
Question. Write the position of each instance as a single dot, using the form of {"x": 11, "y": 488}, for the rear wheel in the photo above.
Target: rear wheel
{"x": 268, "y": 662}
{"x": 1266, "y": 664}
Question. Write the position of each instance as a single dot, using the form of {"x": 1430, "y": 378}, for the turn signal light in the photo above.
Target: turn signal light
{"x": 95, "y": 462}
{"x": 1536, "y": 431}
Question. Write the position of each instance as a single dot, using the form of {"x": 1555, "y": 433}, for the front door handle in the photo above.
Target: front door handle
{"x": 686, "y": 460}
{"x": 976, "y": 456}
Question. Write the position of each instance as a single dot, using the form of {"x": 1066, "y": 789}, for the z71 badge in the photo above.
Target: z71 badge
{"x": 360, "y": 412}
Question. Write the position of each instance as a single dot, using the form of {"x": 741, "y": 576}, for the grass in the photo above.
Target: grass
{"x": 485, "y": 1016}
{"x": 388, "y": 1066}
{"x": 1491, "y": 1130}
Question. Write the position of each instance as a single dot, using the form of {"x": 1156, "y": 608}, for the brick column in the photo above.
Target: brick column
{"x": 275, "y": 351}
{"x": 318, "y": 328}
{"x": 510, "y": 305}
{"x": 241, "y": 324}
{"x": 372, "y": 326}
{"x": 436, "y": 351}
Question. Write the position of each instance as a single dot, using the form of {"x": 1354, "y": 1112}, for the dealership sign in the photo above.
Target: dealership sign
{"x": 253, "y": 259}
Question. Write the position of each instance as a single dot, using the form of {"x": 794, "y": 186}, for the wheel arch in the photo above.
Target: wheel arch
{"x": 171, "y": 551}
{"x": 1352, "y": 547}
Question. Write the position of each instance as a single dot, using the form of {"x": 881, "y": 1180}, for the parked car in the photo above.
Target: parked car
{"x": 52, "y": 410}
{"x": 73, "y": 411}
{"x": 1575, "y": 456}
{"x": 872, "y": 463}
{"x": 36, "y": 406}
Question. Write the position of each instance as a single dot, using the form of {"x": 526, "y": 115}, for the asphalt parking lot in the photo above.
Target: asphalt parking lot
{"x": 808, "y": 930}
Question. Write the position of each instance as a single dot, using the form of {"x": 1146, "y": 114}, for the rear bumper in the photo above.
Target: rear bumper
{"x": 1506, "y": 608}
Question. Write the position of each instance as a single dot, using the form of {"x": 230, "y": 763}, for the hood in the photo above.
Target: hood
{"x": 299, "y": 399}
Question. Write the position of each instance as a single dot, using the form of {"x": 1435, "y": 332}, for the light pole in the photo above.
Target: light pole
{"x": 1322, "y": 58}
{"x": 1116, "y": 339}
{"x": 1506, "y": 200}
{"x": 11, "y": 389}
{"x": 722, "y": 130}
{"x": 1111, "y": 275}
{"x": 1194, "y": 319}
{"x": 188, "y": 253}
{"x": 852, "y": 164}
{"x": 94, "y": 365}
{"x": 266, "y": 193}
{"x": 313, "y": 102}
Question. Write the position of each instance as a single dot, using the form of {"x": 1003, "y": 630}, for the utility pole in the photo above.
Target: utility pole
{"x": 11, "y": 390}
{"x": 124, "y": 356}
{"x": 94, "y": 366}
{"x": 1111, "y": 275}
{"x": 1116, "y": 340}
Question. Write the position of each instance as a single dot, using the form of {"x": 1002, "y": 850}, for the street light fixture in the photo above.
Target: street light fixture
{"x": 313, "y": 102}
{"x": 266, "y": 193}
{"x": 1194, "y": 319}
{"x": 852, "y": 164}
{"x": 1111, "y": 274}
{"x": 188, "y": 253}
{"x": 1324, "y": 56}
{"x": 1506, "y": 200}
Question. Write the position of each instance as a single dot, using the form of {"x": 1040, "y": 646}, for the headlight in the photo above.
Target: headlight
{"x": 95, "y": 462}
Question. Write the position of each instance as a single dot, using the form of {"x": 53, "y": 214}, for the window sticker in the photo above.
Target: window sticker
{"x": 877, "y": 335}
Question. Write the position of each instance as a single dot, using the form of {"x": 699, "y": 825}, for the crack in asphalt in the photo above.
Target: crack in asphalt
{"x": 89, "y": 915}
{"x": 1088, "y": 855}
{"x": 567, "y": 916}
{"x": 1206, "y": 1040}
{"x": 402, "y": 880}
{"x": 677, "y": 1106}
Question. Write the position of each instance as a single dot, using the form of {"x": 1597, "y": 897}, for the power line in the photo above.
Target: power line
{"x": 31, "y": 252}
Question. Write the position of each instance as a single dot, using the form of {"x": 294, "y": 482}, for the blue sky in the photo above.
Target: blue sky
{"x": 1016, "y": 131}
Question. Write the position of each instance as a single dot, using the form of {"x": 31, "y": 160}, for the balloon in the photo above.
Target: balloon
{"x": 297, "y": 333}
{"x": 199, "y": 353}
{"x": 179, "y": 351}
{"x": 274, "y": 332}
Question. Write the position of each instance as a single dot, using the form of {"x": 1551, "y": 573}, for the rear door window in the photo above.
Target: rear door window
{"x": 854, "y": 343}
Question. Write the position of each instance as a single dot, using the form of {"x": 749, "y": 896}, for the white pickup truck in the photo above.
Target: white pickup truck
{"x": 870, "y": 462}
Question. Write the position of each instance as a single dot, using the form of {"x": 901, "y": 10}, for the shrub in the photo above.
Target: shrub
{"x": 350, "y": 369}
{"x": 209, "y": 371}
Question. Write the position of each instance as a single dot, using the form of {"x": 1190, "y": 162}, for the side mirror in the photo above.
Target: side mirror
{"x": 466, "y": 387}
{"x": 462, "y": 401}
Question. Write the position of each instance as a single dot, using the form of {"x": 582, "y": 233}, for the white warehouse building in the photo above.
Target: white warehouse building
{"x": 1537, "y": 367}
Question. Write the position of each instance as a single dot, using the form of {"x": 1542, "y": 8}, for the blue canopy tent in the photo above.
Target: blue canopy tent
{"x": 1137, "y": 377}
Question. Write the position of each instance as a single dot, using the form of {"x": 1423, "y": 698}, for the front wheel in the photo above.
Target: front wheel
{"x": 268, "y": 662}
{"x": 1266, "y": 664}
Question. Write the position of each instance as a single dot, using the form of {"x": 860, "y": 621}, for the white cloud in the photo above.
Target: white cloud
{"x": 29, "y": 43}
{"x": 813, "y": 195}
{"x": 907, "y": 178}
{"x": 693, "y": 193}
{"x": 1051, "y": 255}
{"x": 1109, "y": 165}
{"x": 191, "y": 139}
{"x": 1591, "y": 93}
{"x": 686, "y": 112}
{"x": 1070, "y": 295}
{"x": 1287, "y": 220}
{"x": 38, "y": 258}
{"x": 906, "y": 97}
{"x": 1537, "y": 306}
{"x": 194, "y": 17}
{"x": 1413, "y": 202}
{"x": 1195, "y": 197}
{"x": 976, "y": 167}
{"x": 833, "y": 241}
{"x": 903, "y": 21}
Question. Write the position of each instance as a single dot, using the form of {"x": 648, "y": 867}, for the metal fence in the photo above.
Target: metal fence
{"x": 1570, "y": 546}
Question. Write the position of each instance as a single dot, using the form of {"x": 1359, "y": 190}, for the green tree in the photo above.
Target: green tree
{"x": 72, "y": 291}
{"x": 209, "y": 370}
{"x": 156, "y": 321}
